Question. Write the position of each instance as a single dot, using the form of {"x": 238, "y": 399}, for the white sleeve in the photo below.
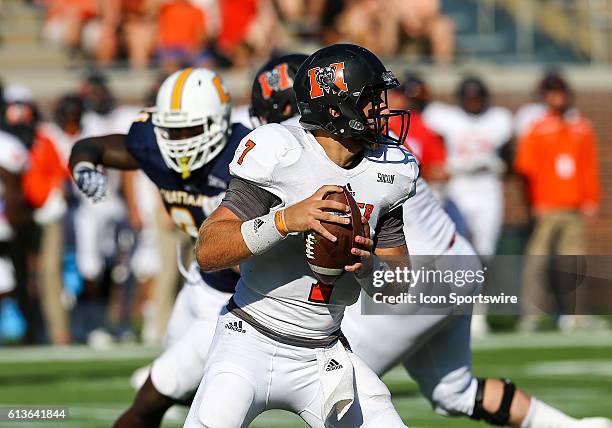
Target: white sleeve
{"x": 260, "y": 154}
{"x": 13, "y": 156}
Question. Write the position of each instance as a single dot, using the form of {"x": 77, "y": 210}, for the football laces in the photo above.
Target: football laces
{"x": 311, "y": 240}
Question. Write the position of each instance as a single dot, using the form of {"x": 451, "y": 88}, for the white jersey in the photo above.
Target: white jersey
{"x": 472, "y": 141}
{"x": 427, "y": 227}
{"x": 287, "y": 161}
{"x": 121, "y": 118}
{"x": 14, "y": 159}
{"x": 94, "y": 124}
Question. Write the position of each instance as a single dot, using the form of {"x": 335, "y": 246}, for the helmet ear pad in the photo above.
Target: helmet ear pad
{"x": 353, "y": 117}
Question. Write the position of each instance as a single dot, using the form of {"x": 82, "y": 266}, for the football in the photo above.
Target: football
{"x": 326, "y": 258}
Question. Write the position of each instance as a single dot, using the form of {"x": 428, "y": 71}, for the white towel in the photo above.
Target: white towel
{"x": 336, "y": 375}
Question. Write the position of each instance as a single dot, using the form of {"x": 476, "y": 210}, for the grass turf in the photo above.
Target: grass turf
{"x": 573, "y": 373}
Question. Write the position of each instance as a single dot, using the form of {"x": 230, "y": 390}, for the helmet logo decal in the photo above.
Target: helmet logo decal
{"x": 177, "y": 90}
{"x": 356, "y": 125}
{"x": 275, "y": 80}
{"x": 323, "y": 80}
{"x": 223, "y": 95}
{"x": 388, "y": 77}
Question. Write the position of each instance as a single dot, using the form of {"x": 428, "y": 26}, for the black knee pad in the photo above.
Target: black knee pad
{"x": 502, "y": 415}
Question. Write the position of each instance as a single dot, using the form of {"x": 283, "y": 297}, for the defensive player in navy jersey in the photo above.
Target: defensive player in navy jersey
{"x": 184, "y": 145}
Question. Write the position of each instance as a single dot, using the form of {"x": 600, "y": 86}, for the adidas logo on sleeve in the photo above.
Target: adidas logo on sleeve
{"x": 333, "y": 365}
{"x": 236, "y": 326}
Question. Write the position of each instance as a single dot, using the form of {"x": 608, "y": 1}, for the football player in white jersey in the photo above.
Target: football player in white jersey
{"x": 14, "y": 213}
{"x": 474, "y": 132}
{"x": 278, "y": 344}
{"x": 95, "y": 223}
{"x": 444, "y": 377}
{"x": 435, "y": 349}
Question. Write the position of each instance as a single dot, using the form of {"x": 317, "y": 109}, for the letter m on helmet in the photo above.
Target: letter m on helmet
{"x": 324, "y": 79}
{"x": 276, "y": 79}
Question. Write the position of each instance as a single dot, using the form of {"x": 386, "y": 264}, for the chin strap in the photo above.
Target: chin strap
{"x": 502, "y": 415}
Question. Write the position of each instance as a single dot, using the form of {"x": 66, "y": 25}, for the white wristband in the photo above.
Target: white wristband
{"x": 260, "y": 234}
{"x": 372, "y": 264}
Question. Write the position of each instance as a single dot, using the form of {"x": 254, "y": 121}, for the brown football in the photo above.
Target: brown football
{"x": 326, "y": 258}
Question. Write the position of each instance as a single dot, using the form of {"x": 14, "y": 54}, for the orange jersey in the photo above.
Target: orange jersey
{"x": 85, "y": 9}
{"x": 236, "y": 17}
{"x": 558, "y": 155}
{"x": 181, "y": 25}
{"x": 46, "y": 172}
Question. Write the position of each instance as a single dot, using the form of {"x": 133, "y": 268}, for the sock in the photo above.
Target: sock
{"x": 541, "y": 415}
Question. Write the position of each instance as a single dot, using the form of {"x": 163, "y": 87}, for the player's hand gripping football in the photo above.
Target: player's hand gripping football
{"x": 366, "y": 245}
{"x": 307, "y": 215}
{"x": 90, "y": 181}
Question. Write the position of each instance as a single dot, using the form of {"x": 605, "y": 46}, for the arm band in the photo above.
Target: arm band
{"x": 261, "y": 233}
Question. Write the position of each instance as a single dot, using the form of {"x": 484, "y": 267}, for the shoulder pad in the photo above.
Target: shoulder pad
{"x": 140, "y": 137}
{"x": 398, "y": 161}
{"x": 144, "y": 115}
{"x": 261, "y": 152}
{"x": 292, "y": 121}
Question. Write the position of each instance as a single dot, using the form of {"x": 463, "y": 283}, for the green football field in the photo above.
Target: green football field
{"x": 573, "y": 372}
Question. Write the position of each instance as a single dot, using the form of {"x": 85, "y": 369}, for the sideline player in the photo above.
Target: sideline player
{"x": 474, "y": 133}
{"x": 14, "y": 214}
{"x": 278, "y": 344}
{"x": 184, "y": 146}
{"x": 435, "y": 349}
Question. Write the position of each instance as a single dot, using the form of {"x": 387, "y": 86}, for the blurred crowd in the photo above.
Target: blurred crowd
{"x": 234, "y": 33}
{"x": 468, "y": 148}
{"x": 72, "y": 271}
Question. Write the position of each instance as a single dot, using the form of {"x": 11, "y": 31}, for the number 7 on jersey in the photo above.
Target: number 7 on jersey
{"x": 249, "y": 145}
